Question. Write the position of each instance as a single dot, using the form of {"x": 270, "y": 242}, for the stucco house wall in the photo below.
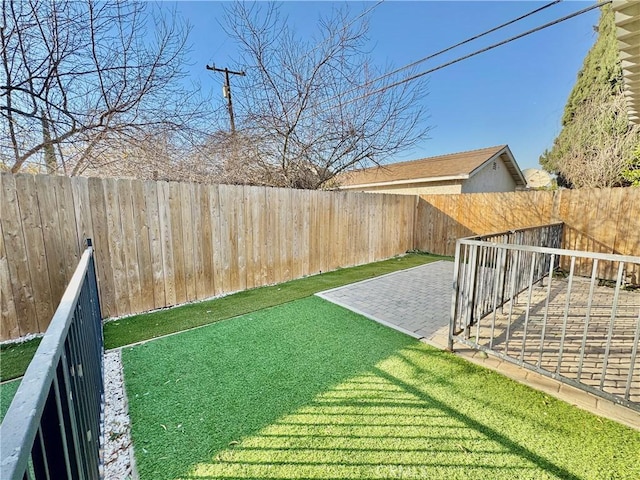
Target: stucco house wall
{"x": 424, "y": 188}
{"x": 492, "y": 177}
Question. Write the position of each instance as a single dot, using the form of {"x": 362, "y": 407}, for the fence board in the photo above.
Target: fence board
{"x": 329, "y": 234}
{"x": 314, "y": 233}
{"x": 297, "y": 232}
{"x": 131, "y": 236}
{"x": 82, "y": 210}
{"x": 101, "y": 247}
{"x": 52, "y": 241}
{"x": 36, "y": 252}
{"x": 188, "y": 238}
{"x": 283, "y": 228}
{"x": 362, "y": 217}
{"x": 228, "y": 249}
{"x": 374, "y": 226}
{"x": 204, "y": 274}
{"x": 218, "y": 268}
{"x": 150, "y": 192}
{"x": 336, "y": 220}
{"x": 256, "y": 225}
{"x": 241, "y": 239}
{"x": 166, "y": 233}
{"x": 271, "y": 240}
{"x": 67, "y": 228}
{"x": 407, "y": 206}
{"x": 9, "y": 327}
{"x": 145, "y": 264}
{"x": 116, "y": 246}
{"x": 16, "y": 250}
{"x": 247, "y": 235}
{"x": 196, "y": 245}
{"x": 177, "y": 242}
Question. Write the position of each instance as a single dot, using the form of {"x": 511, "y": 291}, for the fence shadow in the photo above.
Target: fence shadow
{"x": 389, "y": 421}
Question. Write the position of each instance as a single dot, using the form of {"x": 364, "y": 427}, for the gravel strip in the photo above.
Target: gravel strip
{"x": 118, "y": 447}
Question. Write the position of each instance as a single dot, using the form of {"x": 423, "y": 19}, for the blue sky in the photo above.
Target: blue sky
{"x": 514, "y": 94}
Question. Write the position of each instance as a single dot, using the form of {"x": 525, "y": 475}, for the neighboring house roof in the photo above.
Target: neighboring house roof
{"x": 455, "y": 166}
{"x": 627, "y": 16}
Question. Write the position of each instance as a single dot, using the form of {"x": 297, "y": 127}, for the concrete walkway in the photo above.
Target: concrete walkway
{"x": 417, "y": 301}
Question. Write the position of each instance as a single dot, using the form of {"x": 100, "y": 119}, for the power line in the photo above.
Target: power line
{"x": 465, "y": 57}
{"x": 459, "y": 44}
{"x": 362, "y": 14}
{"x": 433, "y": 55}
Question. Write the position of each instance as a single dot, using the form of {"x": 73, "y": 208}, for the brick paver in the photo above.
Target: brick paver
{"x": 509, "y": 334}
{"x": 416, "y": 301}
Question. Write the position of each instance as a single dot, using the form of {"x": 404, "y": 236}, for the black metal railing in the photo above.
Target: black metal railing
{"x": 53, "y": 427}
{"x": 518, "y": 296}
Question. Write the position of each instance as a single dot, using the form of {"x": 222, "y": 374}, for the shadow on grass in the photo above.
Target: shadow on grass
{"x": 309, "y": 390}
{"x": 392, "y": 431}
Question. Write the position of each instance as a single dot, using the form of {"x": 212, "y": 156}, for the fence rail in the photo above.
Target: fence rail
{"x": 527, "y": 303}
{"x": 52, "y": 429}
{"x": 484, "y": 268}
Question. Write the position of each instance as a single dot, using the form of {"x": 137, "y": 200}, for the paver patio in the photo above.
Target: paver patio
{"x": 417, "y": 301}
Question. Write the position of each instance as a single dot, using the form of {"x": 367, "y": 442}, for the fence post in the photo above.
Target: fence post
{"x": 471, "y": 287}
{"x": 454, "y": 298}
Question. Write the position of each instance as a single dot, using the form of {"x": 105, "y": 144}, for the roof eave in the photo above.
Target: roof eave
{"x": 627, "y": 17}
{"x": 510, "y": 162}
{"x": 405, "y": 182}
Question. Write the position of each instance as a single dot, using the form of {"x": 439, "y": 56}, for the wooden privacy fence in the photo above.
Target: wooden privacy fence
{"x": 599, "y": 220}
{"x": 159, "y": 244}
{"x": 163, "y": 243}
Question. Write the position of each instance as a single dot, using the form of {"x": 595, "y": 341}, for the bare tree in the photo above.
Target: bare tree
{"x": 82, "y": 76}
{"x": 313, "y": 106}
{"x": 599, "y": 150}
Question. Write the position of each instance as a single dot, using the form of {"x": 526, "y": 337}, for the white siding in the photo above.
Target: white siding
{"x": 490, "y": 179}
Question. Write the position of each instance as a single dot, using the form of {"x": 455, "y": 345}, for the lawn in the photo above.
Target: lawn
{"x": 310, "y": 390}
{"x": 14, "y": 358}
{"x": 7, "y": 391}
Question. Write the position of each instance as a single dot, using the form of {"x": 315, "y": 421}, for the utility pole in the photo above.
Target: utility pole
{"x": 226, "y": 91}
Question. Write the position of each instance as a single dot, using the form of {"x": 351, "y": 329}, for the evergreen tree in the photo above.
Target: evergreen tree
{"x": 596, "y": 145}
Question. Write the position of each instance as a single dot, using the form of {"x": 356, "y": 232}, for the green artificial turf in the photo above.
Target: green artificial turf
{"x": 143, "y": 327}
{"x": 15, "y": 358}
{"x": 310, "y": 390}
{"x": 7, "y": 391}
